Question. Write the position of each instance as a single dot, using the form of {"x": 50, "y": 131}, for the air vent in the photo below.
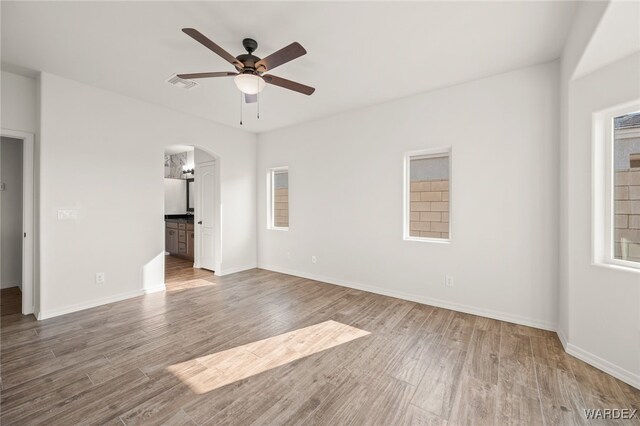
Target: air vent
{"x": 184, "y": 84}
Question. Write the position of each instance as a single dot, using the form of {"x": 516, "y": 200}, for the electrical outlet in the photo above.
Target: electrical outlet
{"x": 100, "y": 278}
{"x": 448, "y": 281}
{"x": 288, "y": 255}
{"x": 314, "y": 259}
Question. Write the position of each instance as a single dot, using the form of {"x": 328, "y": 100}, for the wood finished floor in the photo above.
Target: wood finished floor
{"x": 10, "y": 301}
{"x": 150, "y": 360}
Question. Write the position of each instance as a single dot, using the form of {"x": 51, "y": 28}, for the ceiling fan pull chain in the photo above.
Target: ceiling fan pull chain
{"x": 258, "y": 96}
{"x": 241, "y": 95}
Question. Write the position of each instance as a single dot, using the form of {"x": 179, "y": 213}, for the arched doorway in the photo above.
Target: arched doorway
{"x": 192, "y": 214}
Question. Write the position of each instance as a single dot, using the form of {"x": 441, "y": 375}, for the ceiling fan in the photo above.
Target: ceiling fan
{"x": 250, "y": 77}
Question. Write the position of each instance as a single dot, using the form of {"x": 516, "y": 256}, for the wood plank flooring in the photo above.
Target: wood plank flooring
{"x": 258, "y": 347}
{"x": 10, "y": 301}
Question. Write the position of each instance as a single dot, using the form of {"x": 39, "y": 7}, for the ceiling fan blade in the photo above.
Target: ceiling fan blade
{"x": 288, "y": 84}
{"x": 203, "y": 40}
{"x": 250, "y": 99}
{"x": 282, "y": 56}
{"x": 206, "y": 75}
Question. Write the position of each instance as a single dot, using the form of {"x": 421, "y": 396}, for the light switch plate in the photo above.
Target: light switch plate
{"x": 67, "y": 214}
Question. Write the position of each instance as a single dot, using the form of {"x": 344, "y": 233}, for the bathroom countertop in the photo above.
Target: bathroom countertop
{"x": 178, "y": 218}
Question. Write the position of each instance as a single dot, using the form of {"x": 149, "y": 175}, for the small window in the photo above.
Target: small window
{"x": 279, "y": 198}
{"x": 626, "y": 191}
{"x": 427, "y": 195}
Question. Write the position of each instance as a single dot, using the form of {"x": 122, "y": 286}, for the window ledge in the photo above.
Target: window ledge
{"x": 618, "y": 267}
{"x": 429, "y": 240}
{"x": 274, "y": 228}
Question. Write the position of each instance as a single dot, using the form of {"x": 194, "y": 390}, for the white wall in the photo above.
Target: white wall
{"x": 11, "y": 213}
{"x": 120, "y": 199}
{"x": 345, "y": 191}
{"x": 584, "y": 24}
{"x": 599, "y": 307}
{"x": 19, "y": 102}
{"x": 604, "y": 302}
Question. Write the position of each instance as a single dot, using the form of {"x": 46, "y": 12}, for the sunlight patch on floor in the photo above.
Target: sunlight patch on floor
{"x": 213, "y": 371}
{"x": 185, "y": 285}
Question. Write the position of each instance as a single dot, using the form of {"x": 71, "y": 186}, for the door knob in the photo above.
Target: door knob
{"x": 199, "y": 222}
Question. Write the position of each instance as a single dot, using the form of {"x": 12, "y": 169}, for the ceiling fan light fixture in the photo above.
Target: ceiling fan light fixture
{"x": 250, "y": 84}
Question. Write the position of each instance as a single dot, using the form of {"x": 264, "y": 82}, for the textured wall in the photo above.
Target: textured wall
{"x": 624, "y": 149}
{"x": 281, "y": 208}
{"x": 627, "y": 188}
{"x": 627, "y": 210}
{"x": 429, "y": 212}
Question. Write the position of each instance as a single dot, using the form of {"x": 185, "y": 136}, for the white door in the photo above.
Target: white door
{"x": 206, "y": 221}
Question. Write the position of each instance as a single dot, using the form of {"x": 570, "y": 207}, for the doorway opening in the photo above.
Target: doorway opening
{"x": 16, "y": 222}
{"x": 191, "y": 215}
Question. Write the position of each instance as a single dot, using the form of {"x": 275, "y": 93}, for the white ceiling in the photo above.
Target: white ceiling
{"x": 359, "y": 53}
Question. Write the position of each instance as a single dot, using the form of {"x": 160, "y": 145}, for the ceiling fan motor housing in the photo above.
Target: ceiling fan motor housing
{"x": 248, "y": 59}
{"x": 249, "y": 62}
{"x": 250, "y": 45}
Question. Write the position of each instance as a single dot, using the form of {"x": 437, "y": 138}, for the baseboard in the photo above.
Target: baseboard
{"x": 10, "y": 284}
{"x": 563, "y": 338}
{"x": 44, "y": 314}
{"x": 229, "y": 271}
{"x": 155, "y": 289}
{"x": 516, "y": 319}
{"x": 604, "y": 365}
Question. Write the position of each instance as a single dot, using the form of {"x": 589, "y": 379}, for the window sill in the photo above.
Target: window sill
{"x": 429, "y": 240}
{"x": 622, "y": 266}
{"x": 274, "y": 228}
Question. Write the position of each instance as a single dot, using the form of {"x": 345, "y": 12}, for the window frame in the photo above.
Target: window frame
{"x": 271, "y": 204}
{"x": 603, "y": 191}
{"x": 406, "y": 196}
